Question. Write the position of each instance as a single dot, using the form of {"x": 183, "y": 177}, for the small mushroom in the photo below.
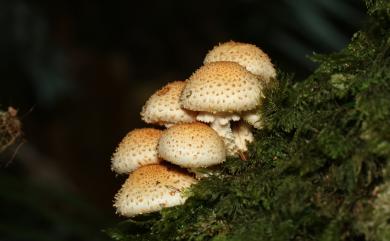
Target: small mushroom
{"x": 222, "y": 92}
{"x": 151, "y": 188}
{"x": 192, "y": 145}
{"x": 247, "y": 55}
{"x": 163, "y": 107}
{"x": 137, "y": 148}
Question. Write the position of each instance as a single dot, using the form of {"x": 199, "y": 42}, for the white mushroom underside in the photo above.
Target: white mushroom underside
{"x": 235, "y": 140}
{"x": 221, "y": 118}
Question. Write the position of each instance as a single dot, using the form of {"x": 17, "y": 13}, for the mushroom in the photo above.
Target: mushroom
{"x": 221, "y": 92}
{"x": 254, "y": 60}
{"x": 151, "y": 188}
{"x": 247, "y": 55}
{"x": 137, "y": 148}
{"x": 163, "y": 107}
{"x": 191, "y": 145}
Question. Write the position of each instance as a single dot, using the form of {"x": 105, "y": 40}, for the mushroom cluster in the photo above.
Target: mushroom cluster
{"x": 207, "y": 117}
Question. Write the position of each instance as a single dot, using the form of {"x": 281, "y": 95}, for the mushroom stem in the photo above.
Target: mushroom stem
{"x": 221, "y": 124}
{"x": 243, "y": 155}
{"x": 254, "y": 119}
{"x": 242, "y": 135}
{"x": 226, "y": 133}
{"x": 235, "y": 138}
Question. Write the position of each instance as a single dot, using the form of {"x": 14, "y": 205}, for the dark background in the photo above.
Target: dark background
{"x": 79, "y": 72}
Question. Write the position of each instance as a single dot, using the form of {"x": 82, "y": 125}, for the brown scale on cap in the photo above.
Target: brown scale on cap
{"x": 163, "y": 107}
{"x": 221, "y": 87}
{"x": 247, "y": 55}
{"x": 151, "y": 188}
{"x": 137, "y": 148}
{"x": 191, "y": 145}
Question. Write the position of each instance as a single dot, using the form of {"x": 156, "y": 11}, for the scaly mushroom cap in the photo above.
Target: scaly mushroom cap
{"x": 221, "y": 87}
{"x": 151, "y": 188}
{"x": 191, "y": 145}
{"x": 247, "y": 55}
{"x": 163, "y": 107}
{"x": 137, "y": 148}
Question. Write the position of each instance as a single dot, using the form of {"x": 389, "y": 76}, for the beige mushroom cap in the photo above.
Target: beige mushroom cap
{"x": 163, "y": 107}
{"x": 221, "y": 87}
{"x": 191, "y": 145}
{"x": 247, "y": 55}
{"x": 151, "y": 188}
{"x": 137, "y": 148}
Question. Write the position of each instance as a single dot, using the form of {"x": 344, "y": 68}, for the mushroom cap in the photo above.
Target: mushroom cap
{"x": 151, "y": 188}
{"x": 247, "y": 55}
{"x": 163, "y": 107}
{"x": 221, "y": 87}
{"x": 137, "y": 148}
{"x": 191, "y": 145}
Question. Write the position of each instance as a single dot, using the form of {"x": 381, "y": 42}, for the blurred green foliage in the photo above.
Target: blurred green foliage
{"x": 374, "y": 220}
{"x": 313, "y": 172}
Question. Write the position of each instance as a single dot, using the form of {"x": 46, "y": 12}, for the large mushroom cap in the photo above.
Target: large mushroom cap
{"x": 137, "y": 148}
{"x": 191, "y": 145}
{"x": 163, "y": 107}
{"x": 247, "y": 55}
{"x": 222, "y": 87}
{"x": 151, "y": 188}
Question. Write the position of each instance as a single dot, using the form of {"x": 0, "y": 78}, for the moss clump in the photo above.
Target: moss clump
{"x": 312, "y": 172}
{"x": 374, "y": 219}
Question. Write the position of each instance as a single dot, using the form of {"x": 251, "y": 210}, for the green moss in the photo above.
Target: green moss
{"x": 374, "y": 212}
{"x": 312, "y": 170}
